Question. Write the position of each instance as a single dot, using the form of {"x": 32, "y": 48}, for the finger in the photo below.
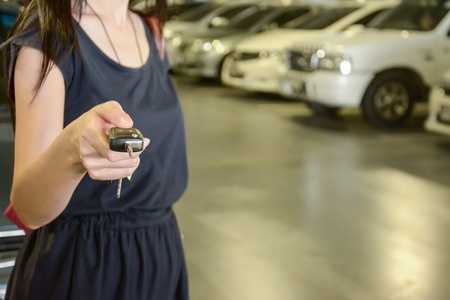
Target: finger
{"x": 111, "y": 156}
{"x": 110, "y": 174}
{"x": 111, "y": 112}
{"x": 102, "y": 163}
{"x": 146, "y": 142}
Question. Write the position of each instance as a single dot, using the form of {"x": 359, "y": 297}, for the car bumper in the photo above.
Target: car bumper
{"x": 439, "y": 113}
{"x": 204, "y": 64}
{"x": 260, "y": 75}
{"x": 325, "y": 87}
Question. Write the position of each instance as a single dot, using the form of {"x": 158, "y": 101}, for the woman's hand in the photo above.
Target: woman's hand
{"x": 92, "y": 145}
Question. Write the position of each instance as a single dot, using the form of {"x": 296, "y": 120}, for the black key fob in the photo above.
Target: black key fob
{"x": 120, "y": 138}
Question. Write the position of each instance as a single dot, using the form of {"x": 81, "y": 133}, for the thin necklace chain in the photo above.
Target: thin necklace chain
{"x": 109, "y": 37}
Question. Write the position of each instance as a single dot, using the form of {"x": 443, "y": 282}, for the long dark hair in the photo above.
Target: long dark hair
{"x": 53, "y": 18}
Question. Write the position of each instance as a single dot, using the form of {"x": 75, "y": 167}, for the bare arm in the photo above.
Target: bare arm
{"x": 45, "y": 169}
{"x": 51, "y": 161}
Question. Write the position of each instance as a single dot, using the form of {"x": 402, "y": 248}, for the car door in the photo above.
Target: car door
{"x": 435, "y": 55}
{"x": 442, "y": 53}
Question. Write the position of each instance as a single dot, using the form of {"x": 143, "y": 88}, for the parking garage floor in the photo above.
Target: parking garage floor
{"x": 286, "y": 206}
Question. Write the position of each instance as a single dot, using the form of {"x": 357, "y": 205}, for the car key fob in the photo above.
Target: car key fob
{"x": 120, "y": 139}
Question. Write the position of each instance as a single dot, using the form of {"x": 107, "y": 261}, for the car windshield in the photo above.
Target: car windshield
{"x": 320, "y": 19}
{"x": 249, "y": 18}
{"x": 198, "y": 13}
{"x": 288, "y": 15}
{"x": 227, "y": 16}
{"x": 178, "y": 9}
{"x": 252, "y": 17}
{"x": 413, "y": 17}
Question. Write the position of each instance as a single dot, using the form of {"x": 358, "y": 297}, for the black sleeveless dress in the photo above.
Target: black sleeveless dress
{"x": 102, "y": 247}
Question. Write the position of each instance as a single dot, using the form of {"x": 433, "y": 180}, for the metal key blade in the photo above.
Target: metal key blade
{"x": 119, "y": 188}
{"x": 130, "y": 151}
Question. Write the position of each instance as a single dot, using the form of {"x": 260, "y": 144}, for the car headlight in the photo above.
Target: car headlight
{"x": 208, "y": 46}
{"x": 332, "y": 62}
{"x": 219, "y": 46}
{"x": 176, "y": 40}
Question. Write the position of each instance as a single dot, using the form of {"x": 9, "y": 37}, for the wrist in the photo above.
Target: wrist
{"x": 71, "y": 148}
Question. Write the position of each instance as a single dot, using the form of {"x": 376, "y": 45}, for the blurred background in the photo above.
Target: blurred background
{"x": 318, "y": 139}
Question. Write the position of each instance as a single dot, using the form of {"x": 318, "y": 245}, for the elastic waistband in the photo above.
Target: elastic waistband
{"x": 116, "y": 219}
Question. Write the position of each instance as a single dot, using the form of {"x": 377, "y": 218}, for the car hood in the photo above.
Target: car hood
{"x": 372, "y": 49}
{"x": 384, "y": 40}
{"x": 277, "y": 39}
{"x": 174, "y": 27}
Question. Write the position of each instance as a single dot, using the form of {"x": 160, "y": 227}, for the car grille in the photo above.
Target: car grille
{"x": 300, "y": 60}
{"x": 246, "y": 56}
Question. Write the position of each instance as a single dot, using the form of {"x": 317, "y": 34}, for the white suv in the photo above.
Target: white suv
{"x": 258, "y": 62}
{"x": 383, "y": 69}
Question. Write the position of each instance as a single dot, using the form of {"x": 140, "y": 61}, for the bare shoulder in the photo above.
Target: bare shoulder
{"x": 28, "y": 69}
{"x": 38, "y": 113}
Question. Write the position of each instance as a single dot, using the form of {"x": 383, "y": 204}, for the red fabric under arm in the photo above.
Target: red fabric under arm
{"x": 10, "y": 213}
{"x": 153, "y": 23}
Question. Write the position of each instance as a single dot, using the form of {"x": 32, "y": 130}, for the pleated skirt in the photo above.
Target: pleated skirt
{"x": 108, "y": 256}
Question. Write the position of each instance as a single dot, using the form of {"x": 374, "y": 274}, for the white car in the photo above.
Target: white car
{"x": 439, "y": 116}
{"x": 208, "y": 16}
{"x": 258, "y": 62}
{"x": 383, "y": 69}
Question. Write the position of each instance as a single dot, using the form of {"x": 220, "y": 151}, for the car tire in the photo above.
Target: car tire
{"x": 220, "y": 71}
{"x": 323, "y": 110}
{"x": 389, "y": 100}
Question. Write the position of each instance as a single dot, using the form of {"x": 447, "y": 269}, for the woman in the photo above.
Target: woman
{"x": 77, "y": 69}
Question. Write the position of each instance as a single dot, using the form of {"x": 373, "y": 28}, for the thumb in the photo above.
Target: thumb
{"x": 112, "y": 113}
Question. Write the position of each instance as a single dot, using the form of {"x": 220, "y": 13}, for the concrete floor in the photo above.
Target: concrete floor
{"x": 286, "y": 206}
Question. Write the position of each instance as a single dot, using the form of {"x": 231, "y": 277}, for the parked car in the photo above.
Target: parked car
{"x": 11, "y": 237}
{"x": 384, "y": 69}
{"x": 258, "y": 62}
{"x": 11, "y": 240}
{"x": 201, "y": 53}
{"x": 439, "y": 115}
{"x": 210, "y": 15}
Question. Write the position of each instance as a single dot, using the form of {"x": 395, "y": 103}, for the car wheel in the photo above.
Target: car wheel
{"x": 224, "y": 65}
{"x": 323, "y": 110}
{"x": 389, "y": 100}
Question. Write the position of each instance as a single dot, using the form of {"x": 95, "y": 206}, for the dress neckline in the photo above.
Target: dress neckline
{"x": 110, "y": 60}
